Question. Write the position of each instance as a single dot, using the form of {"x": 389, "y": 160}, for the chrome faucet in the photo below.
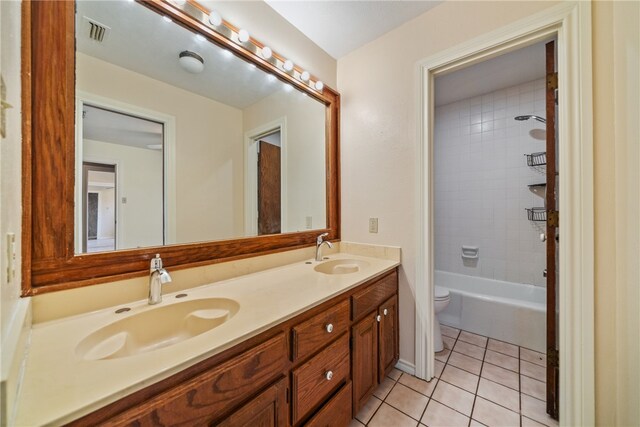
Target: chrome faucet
{"x": 319, "y": 242}
{"x": 159, "y": 276}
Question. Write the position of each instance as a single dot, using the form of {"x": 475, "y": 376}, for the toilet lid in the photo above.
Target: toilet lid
{"x": 441, "y": 293}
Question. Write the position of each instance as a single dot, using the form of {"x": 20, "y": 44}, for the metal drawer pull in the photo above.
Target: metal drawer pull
{"x": 329, "y": 328}
{"x": 329, "y": 375}
{"x": 378, "y": 317}
{"x": 385, "y": 312}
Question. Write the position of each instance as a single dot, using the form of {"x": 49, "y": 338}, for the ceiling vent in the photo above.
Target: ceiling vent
{"x": 95, "y": 31}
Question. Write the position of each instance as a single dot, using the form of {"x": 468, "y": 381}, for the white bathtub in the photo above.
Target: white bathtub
{"x": 506, "y": 311}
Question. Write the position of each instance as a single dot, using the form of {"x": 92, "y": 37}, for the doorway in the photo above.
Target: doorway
{"x": 269, "y": 184}
{"x": 570, "y": 24}
{"x": 99, "y": 206}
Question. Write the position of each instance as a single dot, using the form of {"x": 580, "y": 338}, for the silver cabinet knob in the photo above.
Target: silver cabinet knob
{"x": 329, "y": 375}
{"x": 543, "y": 237}
{"x": 385, "y": 312}
{"x": 544, "y": 273}
{"x": 329, "y": 327}
{"x": 378, "y": 317}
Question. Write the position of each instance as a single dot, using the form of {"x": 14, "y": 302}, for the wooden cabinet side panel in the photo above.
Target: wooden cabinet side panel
{"x": 372, "y": 296}
{"x": 211, "y": 394}
{"x": 268, "y": 409}
{"x": 364, "y": 356}
{"x": 388, "y": 336}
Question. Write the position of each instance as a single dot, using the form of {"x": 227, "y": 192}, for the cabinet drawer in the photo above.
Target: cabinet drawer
{"x": 336, "y": 412}
{"x": 372, "y": 296}
{"x": 310, "y": 381}
{"x": 207, "y": 396}
{"x": 314, "y": 333}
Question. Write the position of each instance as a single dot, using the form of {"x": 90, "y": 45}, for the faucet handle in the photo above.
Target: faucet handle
{"x": 156, "y": 263}
{"x": 321, "y": 238}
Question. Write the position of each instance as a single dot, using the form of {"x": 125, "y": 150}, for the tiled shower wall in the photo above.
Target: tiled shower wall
{"x": 481, "y": 184}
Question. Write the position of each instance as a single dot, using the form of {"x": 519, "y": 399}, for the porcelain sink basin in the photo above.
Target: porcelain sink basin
{"x": 341, "y": 266}
{"x": 156, "y": 327}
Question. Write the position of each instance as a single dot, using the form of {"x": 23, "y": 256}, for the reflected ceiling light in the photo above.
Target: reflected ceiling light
{"x": 287, "y": 87}
{"x": 200, "y": 38}
{"x": 305, "y": 76}
{"x": 271, "y": 78}
{"x": 243, "y": 36}
{"x": 288, "y": 65}
{"x": 180, "y": 2}
{"x": 214, "y": 18}
{"x": 319, "y": 85}
{"x": 166, "y": 18}
{"x": 227, "y": 53}
{"x": 266, "y": 52}
{"x": 191, "y": 61}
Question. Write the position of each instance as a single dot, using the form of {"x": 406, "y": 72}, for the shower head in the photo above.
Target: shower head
{"x": 531, "y": 116}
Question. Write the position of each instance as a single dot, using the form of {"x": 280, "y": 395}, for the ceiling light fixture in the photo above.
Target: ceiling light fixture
{"x": 214, "y": 18}
{"x": 288, "y": 65}
{"x": 191, "y": 61}
{"x": 243, "y": 36}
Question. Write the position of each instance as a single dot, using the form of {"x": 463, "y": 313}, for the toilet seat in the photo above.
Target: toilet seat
{"x": 441, "y": 293}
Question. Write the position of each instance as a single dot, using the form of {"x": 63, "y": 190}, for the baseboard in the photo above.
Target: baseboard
{"x": 407, "y": 367}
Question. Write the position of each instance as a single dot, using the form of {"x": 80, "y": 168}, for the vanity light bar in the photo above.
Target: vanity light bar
{"x": 213, "y": 20}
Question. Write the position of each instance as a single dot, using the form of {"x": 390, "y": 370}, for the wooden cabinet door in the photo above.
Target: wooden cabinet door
{"x": 389, "y": 343}
{"x": 268, "y": 409}
{"x": 364, "y": 352}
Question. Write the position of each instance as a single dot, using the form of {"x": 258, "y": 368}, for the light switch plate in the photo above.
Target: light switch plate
{"x": 373, "y": 225}
{"x": 11, "y": 257}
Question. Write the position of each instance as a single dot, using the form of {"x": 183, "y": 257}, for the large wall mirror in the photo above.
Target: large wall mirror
{"x": 153, "y": 133}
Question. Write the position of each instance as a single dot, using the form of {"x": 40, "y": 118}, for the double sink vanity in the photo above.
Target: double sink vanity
{"x": 304, "y": 343}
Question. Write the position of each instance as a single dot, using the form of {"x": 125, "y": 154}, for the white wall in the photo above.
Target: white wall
{"x": 305, "y": 148}
{"x": 378, "y": 147}
{"x": 481, "y": 179}
{"x": 209, "y": 161}
{"x": 106, "y": 213}
{"x": 139, "y": 179}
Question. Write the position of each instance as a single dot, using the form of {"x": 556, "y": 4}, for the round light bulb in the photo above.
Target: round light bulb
{"x": 305, "y": 76}
{"x": 266, "y": 52}
{"x": 319, "y": 85}
{"x": 243, "y": 36}
{"x": 180, "y": 2}
{"x": 288, "y": 65}
{"x": 214, "y": 18}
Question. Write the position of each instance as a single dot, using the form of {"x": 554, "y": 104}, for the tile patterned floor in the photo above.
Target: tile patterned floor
{"x": 479, "y": 382}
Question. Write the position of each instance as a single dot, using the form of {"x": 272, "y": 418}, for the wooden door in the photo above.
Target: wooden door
{"x": 388, "y": 340}
{"x": 268, "y": 409}
{"x": 552, "y": 225}
{"x": 364, "y": 360}
{"x": 268, "y": 188}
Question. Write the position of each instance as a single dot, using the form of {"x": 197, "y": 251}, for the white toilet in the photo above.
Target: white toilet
{"x": 441, "y": 301}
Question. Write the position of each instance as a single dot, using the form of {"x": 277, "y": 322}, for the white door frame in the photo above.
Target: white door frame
{"x": 251, "y": 174}
{"x": 169, "y": 156}
{"x": 570, "y": 22}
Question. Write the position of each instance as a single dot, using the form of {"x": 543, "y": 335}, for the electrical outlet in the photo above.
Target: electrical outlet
{"x": 373, "y": 225}
{"x": 11, "y": 257}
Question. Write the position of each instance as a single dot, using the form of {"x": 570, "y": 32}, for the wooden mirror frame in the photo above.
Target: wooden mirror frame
{"x": 49, "y": 262}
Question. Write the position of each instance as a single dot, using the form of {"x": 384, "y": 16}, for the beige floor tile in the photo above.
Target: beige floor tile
{"x": 536, "y": 410}
{"x": 503, "y": 347}
{"x": 421, "y": 386}
{"x": 465, "y": 362}
{"x": 443, "y": 355}
{"x": 460, "y": 378}
{"x": 533, "y": 371}
{"x": 453, "y": 397}
{"x": 502, "y": 360}
{"x": 408, "y": 401}
{"x": 448, "y": 342}
{"x": 474, "y": 339}
{"x": 355, "y": 423}
{"x": 500, "y": 375}
{"x": 369, "y": 408}
{"x": 449, "y": 331}
{"x": 532, "y": 387}
{"x": 384, "y": 388}
{"x": 494, "y": 415}
{"x": 526, "y": 422}
{"x": 438, "y": 415}
{"x": 533, "y": 356}
{"x": 469, "y": 349}
{"x": 475, "y": 423}
{"x": 439, "y": 367}
{"x": 388, "y": 416}
{"x": 499, "y": 394}
{"x": 394, "y": 374}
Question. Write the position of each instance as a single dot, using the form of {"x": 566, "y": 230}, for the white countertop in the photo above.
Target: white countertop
{"x": 59, "y": 386}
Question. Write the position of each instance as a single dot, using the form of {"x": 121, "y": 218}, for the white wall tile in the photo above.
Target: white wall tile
{"x": 481, "y": 184}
